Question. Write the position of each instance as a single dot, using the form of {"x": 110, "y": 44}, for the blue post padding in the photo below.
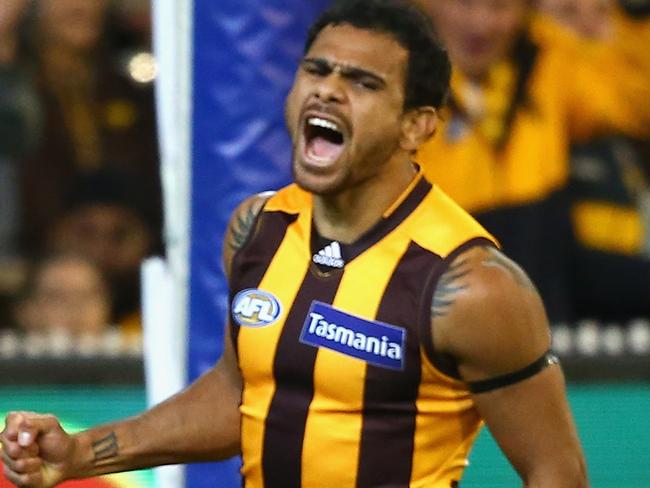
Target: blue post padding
{"x": 245, "y": 55}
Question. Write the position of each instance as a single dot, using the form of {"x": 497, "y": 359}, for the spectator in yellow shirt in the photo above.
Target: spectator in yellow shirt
{"x": 523, "y": 90}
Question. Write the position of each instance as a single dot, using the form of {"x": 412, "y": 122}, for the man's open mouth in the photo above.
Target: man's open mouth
{"x": 324, "y": 140}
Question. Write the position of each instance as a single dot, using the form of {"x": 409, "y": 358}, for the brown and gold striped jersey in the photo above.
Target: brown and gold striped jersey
{"x": 340, "y": 384}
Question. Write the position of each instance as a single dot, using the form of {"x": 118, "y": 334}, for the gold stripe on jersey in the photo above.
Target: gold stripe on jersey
{"x": 436, "y": 212}
{"x": 291, "y": 200}
{"x": 338, "y": 399}
{"x": 255, "y": 369}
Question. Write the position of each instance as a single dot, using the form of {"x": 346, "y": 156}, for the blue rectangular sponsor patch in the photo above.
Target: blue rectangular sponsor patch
{"x": 374, "y": 342}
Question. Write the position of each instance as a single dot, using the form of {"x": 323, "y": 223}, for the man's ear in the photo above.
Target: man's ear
{"x": 418, "y": 125}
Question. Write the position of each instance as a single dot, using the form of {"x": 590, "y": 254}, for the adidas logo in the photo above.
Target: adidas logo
{"x": 330, "y": 256}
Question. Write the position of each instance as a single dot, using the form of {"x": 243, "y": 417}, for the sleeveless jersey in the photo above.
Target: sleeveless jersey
{"x": 340, "y": 387}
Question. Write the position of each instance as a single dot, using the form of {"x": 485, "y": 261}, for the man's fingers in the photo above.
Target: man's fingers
{"x": 22, "y": 480}
{"x": 26, "y": 435}
{"x": 12, "y": 421}
{"x": 29, "y": 427}
{"x": 15, "y": 451}
{"x": 21, "y": 451}
{"x": 20, "y": 447}
{"x": 23, "y": 465}
{"x": 16, "y": 420}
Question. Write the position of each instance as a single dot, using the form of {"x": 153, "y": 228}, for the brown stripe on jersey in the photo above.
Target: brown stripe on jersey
{"x": 293, "y": 372}
{"x": 261, "y": 247}
{"x": 387, "y": 437}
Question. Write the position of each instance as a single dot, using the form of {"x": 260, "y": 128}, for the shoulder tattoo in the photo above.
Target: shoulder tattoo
{"x": 451, "y": 283}
{"x": 241, "y": 226}
{"x": 497, "y": 259}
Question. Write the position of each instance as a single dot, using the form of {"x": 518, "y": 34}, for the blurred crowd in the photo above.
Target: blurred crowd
{"x": 80, "y": 198}
{"x": 545, "y": 140}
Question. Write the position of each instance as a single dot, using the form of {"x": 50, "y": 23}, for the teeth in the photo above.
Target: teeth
{"x": 326, "y": 124}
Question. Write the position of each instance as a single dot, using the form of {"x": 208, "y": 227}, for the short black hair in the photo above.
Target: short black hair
{"x": 429, "y": 68}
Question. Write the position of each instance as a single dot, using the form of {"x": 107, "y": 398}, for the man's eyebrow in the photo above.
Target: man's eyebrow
{"x": 319, "y": 62}
{"x": 350, "y": 72}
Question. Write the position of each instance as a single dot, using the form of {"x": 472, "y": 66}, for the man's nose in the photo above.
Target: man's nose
{"x": 331, "y": 88}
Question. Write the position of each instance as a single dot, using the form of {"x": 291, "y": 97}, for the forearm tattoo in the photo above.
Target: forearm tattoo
{"x": 451, "y": 283}
{"x": 106, "y": 447}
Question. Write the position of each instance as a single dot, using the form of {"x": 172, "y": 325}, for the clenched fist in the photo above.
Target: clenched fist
{"x": 36, "y": 451}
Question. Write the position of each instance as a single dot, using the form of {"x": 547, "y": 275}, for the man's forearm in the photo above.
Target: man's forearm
{"x": 198, "y": 424}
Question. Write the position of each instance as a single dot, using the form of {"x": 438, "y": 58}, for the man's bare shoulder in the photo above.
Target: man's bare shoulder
{"x": 241, "y": 225}
{"x": 478, "y": 273}
{"x": 487, "y": 314}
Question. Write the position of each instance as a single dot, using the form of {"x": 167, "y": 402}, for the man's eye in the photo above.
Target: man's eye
{"x": 368, "y": 85}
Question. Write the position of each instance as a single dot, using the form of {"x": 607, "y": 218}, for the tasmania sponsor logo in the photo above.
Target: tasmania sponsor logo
{"x": 255, "y": 308}
{"x": 374, "y": 342}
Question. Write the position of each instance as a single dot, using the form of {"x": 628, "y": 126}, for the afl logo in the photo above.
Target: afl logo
{"x": 255, "y": 308}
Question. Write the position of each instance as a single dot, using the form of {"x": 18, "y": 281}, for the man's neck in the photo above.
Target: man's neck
{"x": 346, "y": 216}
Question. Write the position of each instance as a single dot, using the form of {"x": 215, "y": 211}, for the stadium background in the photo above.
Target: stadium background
{"x": 244, "y": 55}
